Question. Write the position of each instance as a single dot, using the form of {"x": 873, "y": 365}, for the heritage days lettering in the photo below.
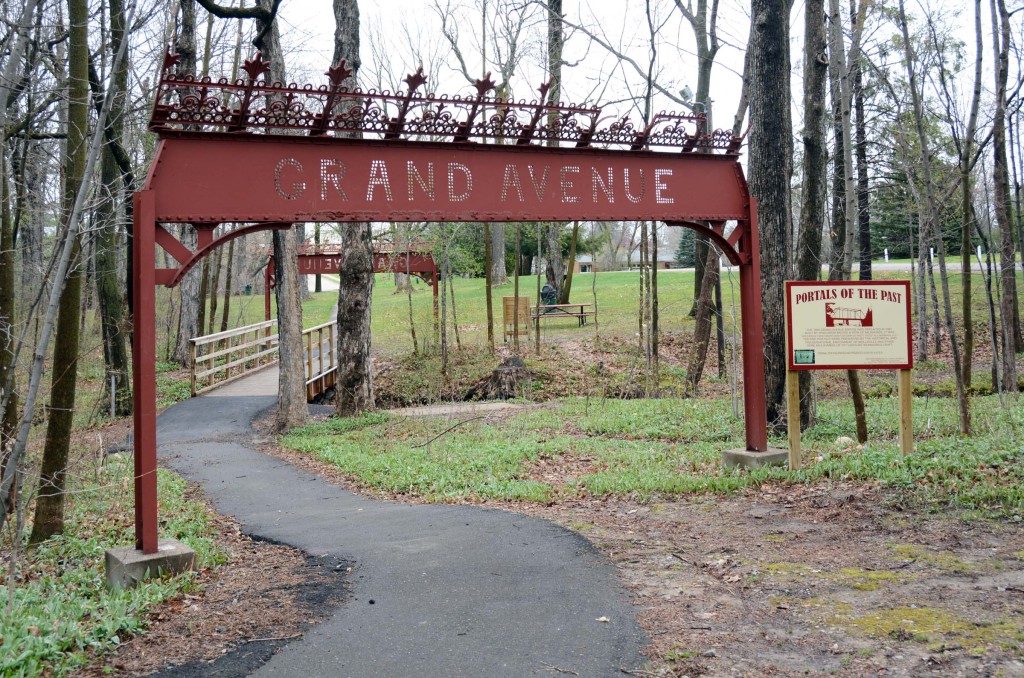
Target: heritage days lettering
{"x": 520, "y": 183}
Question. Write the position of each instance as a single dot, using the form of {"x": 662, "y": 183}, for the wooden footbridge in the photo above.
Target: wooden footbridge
{"x": 217, "y": 359}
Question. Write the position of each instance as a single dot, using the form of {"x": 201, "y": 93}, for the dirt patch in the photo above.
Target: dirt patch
{"x": 812, "y": 581}
{"x": 266, "y": 596}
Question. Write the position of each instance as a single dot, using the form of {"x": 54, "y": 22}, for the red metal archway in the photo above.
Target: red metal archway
{"x": 414, "y": 259}
{"x": 223, "y": 156}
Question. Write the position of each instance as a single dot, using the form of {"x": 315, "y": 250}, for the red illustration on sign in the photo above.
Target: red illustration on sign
{"x": 835, "y": 315}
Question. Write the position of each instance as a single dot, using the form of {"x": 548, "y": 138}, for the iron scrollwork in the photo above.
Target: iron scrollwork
{"x": 254, "y": 105}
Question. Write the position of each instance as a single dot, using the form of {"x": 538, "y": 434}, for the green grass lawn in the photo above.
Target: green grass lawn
{"x": 61, "y": 612}
{"x": 648, "y": 449}
{"x": 617, "y": 303}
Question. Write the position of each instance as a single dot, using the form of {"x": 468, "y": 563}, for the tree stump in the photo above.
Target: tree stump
{"x": 503, "y": 383}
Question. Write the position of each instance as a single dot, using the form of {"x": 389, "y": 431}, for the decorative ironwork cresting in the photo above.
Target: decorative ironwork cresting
{"x": 186, "y": 102}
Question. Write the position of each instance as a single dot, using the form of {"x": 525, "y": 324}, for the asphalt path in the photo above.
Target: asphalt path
{"x": 447, "y": 591}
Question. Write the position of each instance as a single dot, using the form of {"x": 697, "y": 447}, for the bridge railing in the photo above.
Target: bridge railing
{"x": 217, "y": 359}
{"x": 225, "y": 356}
{"x": 321, "y": 358}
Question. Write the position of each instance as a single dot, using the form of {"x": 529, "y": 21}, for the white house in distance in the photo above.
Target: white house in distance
{"x": 666, "y": 260}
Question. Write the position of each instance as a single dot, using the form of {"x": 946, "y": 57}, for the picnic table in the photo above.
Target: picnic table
{"x": 577, "y": 311}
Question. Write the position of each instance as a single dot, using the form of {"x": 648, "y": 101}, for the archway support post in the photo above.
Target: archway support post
{"x": 144, "y": 372}
{"x": 150, "y": 557}
{"x": 753, "y": 337}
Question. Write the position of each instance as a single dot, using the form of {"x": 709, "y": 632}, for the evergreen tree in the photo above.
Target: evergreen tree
{"x": 685, "y": 254}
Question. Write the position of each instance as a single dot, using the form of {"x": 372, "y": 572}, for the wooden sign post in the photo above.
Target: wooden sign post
{"x": 848, "y": 325}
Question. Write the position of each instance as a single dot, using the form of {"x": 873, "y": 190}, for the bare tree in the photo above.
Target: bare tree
{"x": 503, "y": 25}
{"x": 117, "y": 184}
{"x": 770, "y": 163}
{"x": 963, "y": 136}
{"x": 49, "y": 510}
{"x": 292, "y": 410}
{"x": 17, "y": 46}
{"x": 815, "y": 161}
{"x": 354, "y": 390}
{"x": 842, "y": 265}
{"x": 188, "y": 288}
{"x": 1001, "y": 186}
{"x": 930, "y": 212}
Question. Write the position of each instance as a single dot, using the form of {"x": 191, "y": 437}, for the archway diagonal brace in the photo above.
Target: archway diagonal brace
{"x": 729, "y": 245}
{"x": 170, "y": 277}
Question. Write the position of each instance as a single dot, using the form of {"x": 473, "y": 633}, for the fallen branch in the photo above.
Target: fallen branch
{"x": 267, "y": 640}
{"x": 450, "y": 428}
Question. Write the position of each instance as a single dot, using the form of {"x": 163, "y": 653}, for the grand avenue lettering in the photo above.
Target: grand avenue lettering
{"x": 453, "y": 182}
{"x": 220, "y": 179}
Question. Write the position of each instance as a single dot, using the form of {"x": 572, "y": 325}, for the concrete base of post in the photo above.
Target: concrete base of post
{"x": 127, "y": 566}
{"x": 740, "y": 458}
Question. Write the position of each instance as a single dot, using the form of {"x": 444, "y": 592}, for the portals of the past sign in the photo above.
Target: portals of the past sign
{"x": 848, "y": 325}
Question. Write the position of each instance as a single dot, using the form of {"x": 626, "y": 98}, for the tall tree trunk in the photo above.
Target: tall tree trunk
{"x": 108, "y": 287}
{"x": 499, "y": 273}
{"x": 842, "y": 261}
{"x": 723, "y": 371}
{"x": 702, "y": 330}
{"x": 923, "y": 262}
{"x": 488, "y": 261}
{"x": 49, "y": 512}
{"x": 188, "y": 289}
{"x": 1001, "y": 186}
{"x": 540, "y": 290}
{"x": 936, "y": 316}
{"x": 861, "y": 151}
{"x": 30, "y": 192}
{"x": 556, "y": 42}
{"x": 837, "y": 219}
{"x": 841, "y": 74}
{"x": 218, "y": 262}
{"x": 555, "y": 268}
{"x": 814, "y": 171}
{"x": 967, "y": 215}
{"x": 655, "y": 329}
{"x": 570, "y": 267}
{"x": 228, "y": 286}
{"x": 863, "y": 190}
{"x": 355, "y": 293}
{"x": 318, "y": 284}
{"x": 292, "y": 410}
{"x": 700, "y": 256}
{"x": 770, "y": 164}
{"x": 204, "y": 295}
{"x": 235, "y": 63}
{"x": 515, "y": 288}
{"x": 408, "y": 290}
{"x": 8, "y": 386}
{"x": 703, "y": 23}
{"x": 443, "y": 240}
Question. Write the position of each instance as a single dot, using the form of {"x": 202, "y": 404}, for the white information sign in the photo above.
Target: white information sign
{"x": 848, "y": 325}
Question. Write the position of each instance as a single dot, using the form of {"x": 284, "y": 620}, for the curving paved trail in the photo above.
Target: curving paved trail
{"x": 446, "y": 591}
